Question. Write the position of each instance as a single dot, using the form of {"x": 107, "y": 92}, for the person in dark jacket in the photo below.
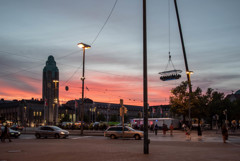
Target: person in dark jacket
{"x": 224, "y": 133}
{"x": 6, "y": 134}
{"x": 199, "y": 130}
{"x": 156, "y": 129}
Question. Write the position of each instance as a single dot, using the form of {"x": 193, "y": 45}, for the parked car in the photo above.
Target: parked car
{"x": 13, "y": 133}
{"x": 116, "y": 131}
{"x": 51, "y": 131}
{"x": 17, "y": 127}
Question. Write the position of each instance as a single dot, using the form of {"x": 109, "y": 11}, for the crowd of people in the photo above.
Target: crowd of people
{"x": 187, "y": 130}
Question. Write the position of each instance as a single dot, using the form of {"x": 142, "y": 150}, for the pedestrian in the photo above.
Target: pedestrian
{"x": 171, "y": 129}
{"x": 1, "y": 131}
{"x": 188, "y": 133}
{"x": 156, "y": 129}
{"x": 199, "y": 130}
{"x": 164, "y": 128}
{"x": 152, "y": 128}
{"x": 224, "y": 133}
{"x": 6, "y": 134}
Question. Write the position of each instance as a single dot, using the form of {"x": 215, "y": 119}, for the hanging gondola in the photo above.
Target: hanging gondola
{"x": 170, "y": 74}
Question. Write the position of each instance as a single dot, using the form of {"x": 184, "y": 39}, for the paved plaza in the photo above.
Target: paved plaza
{"x": 99, "y": 148}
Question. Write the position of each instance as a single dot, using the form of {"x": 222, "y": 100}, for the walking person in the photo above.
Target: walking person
{"x": 1, "y": 132}
{"x": 188, "y": 133}
{"x": 199, "y": 130}
{"x": 156, "y": 129}
{"x": 6, "y": 134}
{"x": 171, "y": 129}
{"x": 164, "y": 128}
{"x": 224, "y": 133}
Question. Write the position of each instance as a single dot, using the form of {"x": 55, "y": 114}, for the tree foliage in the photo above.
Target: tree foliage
{"x": 202, "y": 105}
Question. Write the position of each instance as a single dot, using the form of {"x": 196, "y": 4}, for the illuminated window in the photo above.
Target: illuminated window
{"x": 40, "y": 113}
{"x": 34, "y": 113}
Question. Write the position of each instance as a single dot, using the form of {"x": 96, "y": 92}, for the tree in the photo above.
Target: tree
{"x": 202, "y": 105}
{"x": 235, "y": 110}
{"x": 179, "y": 102}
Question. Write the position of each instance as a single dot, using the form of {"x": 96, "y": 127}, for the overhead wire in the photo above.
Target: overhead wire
{"x": 114, "y": 5}
{"x": 67, "y": 54}
{"x": 70, "y": 53}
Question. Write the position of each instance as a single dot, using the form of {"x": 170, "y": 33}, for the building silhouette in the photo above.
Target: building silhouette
{"x": 50, "y": 91}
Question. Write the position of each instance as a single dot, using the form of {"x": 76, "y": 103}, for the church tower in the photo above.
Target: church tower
{"x": 50, "y": 91}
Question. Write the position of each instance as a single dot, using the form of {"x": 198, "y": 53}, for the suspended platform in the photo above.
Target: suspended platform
{"x": 170, "y": 75}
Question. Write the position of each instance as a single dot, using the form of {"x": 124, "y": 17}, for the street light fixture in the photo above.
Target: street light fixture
{"x": 189, "y": 72}
{"x": 83, "y": 46}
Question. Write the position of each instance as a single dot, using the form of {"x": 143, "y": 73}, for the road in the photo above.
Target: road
{"x": 178, "y": 136}
{"x": 92, "y": 148}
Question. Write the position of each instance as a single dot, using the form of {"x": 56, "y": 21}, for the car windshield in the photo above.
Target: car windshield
{"x": 56, "y": 128}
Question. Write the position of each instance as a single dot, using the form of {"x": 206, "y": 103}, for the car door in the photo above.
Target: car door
{"x": 127, "y": 133}
{"x": 43, "y": 131}
{"x": 50, "y": 132}
{"x": 119, "y": 131}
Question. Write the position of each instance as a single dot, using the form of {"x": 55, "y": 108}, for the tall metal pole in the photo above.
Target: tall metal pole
{"x": 185, "y": 60}
{"x": 83, "y": 78}
{"x": 145, "y": 91}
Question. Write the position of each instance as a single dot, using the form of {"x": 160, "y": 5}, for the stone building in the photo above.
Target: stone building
{"x": 50, "y": 91}
{"x": 24, "y": 112}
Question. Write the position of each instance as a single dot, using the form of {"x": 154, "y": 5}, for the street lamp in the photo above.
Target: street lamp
{"x": 190, "y": 92}
{"x": 25, "y": 117}
{"x": 185, "y": 59}
{"x": 83, "y": 46}
{"x": 55, "y": 102}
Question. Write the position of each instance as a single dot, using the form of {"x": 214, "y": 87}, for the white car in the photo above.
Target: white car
{"x": 116, "y": 131}
{"x": 51, "y": 131}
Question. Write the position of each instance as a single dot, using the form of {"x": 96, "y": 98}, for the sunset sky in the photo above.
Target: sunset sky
{"x": 31, "y": 30}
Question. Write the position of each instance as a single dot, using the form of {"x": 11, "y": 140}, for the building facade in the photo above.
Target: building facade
{"x": 24, "y": 112}
{"x": 50, "y": 91}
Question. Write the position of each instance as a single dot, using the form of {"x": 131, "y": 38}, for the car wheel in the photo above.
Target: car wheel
{"x": 113, "y": 137}
{"x": 137, "y": 137}
{"x": 57, "y": 136}
{"x": 38, "y": 136}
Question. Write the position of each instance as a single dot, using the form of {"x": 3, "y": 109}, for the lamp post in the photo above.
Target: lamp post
{"x": 185, "y": 60}
{"x": 145, "y": 87}
{"x": 55, "y": 102}
{"x": 83, "y": 46}
{"x": 25, "y": 117}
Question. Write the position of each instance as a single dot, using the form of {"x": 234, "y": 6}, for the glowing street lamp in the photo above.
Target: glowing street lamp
{"x": 189, "y": 72}
{"x": 83, "y": 46}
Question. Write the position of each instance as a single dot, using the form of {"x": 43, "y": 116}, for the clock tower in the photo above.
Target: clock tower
{"x": 50, "y": 91}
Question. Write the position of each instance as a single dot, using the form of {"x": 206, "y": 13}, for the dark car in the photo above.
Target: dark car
{"x": 51, "y": 131}
{"x": 12, "y": 132}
